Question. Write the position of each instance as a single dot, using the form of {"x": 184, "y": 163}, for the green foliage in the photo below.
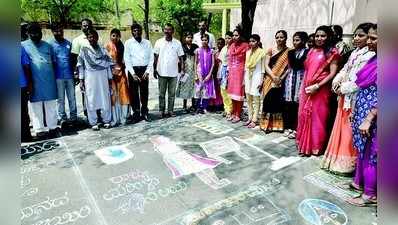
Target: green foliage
{"x": 136, "y": 7}
{"x": 67, "y": 11}
{"x": 215, "y": 25}
{"x": 183, "y": 14}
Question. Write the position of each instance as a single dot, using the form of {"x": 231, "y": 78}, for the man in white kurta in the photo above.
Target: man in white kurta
{"x": 95, "y": 75}
{"x": 197, "y": 37}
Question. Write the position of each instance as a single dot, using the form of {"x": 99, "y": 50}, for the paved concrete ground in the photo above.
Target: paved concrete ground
{"x": 185, "y": 170}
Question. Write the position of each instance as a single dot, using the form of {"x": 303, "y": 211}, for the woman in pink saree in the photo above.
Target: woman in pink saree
{"x": 320, "y": 67}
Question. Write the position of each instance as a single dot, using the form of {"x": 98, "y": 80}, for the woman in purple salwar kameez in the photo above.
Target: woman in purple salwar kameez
{"x": 204, "y": 84}
{"x": 365, "y": 129}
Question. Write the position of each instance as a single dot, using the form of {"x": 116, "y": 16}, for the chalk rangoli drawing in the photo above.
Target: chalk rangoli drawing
{"x": 220, "y": 146}
{"x": 209, "y": 177}
{"x": 39, "y": 147}
{"x": 67, "y": 217}
{"x": 46, "y": 205}
{"x": 278, "y": 163}
{"x": 114, "y": 154}
{"x": 134, "y": 203}
{"x": 321, "y": 212}
{"x": 330, "y": 183}
{"x": 213, "y": 127}
{"x": 182, "y": 163}
{"x": 30, "y": 192}
{"x": 244, "y": 208}
{"x": 233, "y": 204}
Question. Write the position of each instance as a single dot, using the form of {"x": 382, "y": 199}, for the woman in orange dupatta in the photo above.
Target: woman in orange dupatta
{"x": 120, "y": 94}
{"x": 320, "y": 67}
{"x": 236, "y": 66}
{"x": 275, "y": 67}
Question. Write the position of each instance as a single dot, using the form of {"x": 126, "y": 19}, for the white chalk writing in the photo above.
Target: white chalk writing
{"x": 67, "y": 217}
{"x": 46, "y": 205}
{"x": 134, "y": 203}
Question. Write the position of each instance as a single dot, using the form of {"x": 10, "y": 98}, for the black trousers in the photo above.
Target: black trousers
{"x": 25, "y": 120}
{"x": 290, "y": 115}
{"x": 139, "y": 92}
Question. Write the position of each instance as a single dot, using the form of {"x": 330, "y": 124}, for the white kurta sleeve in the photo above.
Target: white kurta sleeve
{"x": 149, "y": 68}
{"x": 127, "y": 58}
{"x": 80, "y": 66}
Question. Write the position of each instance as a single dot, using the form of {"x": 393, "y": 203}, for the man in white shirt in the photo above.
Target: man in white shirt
{"x": 197, "y": 38}
{"x": 168, "y": 56}
{"x": 77, "y": 43}
{"x": 138, "y": 57}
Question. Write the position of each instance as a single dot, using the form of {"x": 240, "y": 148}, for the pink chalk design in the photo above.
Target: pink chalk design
{"x": 180, "y": 162}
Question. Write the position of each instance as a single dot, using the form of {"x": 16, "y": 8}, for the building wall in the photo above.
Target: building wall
{"x": 306, "y": 15}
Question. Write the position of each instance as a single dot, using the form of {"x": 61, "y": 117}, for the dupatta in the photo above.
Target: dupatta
{"x": 278, "y": 64}
{"x": 252, "y": 58}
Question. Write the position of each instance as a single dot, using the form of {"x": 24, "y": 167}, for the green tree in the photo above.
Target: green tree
{"x": 67, "y": 11}
{"x": 184, "y": 14}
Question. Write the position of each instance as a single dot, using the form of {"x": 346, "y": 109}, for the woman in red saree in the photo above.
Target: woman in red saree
{"x": 320, "y": 67}
{"x": 236, "y": 65}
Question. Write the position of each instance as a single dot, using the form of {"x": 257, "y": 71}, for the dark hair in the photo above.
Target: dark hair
{"x": 256, "y": 37}
{"x": 56, "y": 26}
{"x": 116, "y": 31}
{"x": 24, "y": 31}
{"x": 136, "y": 26}
{"x": 283, "y": 32}
{"x": 33, "y": 27}
{"x": 87, "y": 20}
{"x": 312, "y": 35}
{"x": 222, "y": 40}
{"x": 169, "y": 25}
{"x": 374, "y": 26}
{"x": 92, "y": 31}
{"x": 338, "y": 31}
{"x": 237, "y": 29}
{"x": 364, "y": 26}
{"x": 330, "y": 37}
{"x": 229, "y": 33}
{"x": 205, "y": 36}
{"x": 302, "y": 35}
{"x": 188, "y": 33}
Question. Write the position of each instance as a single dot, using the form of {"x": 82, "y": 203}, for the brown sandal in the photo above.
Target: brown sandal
{"x": 360, "y": 201}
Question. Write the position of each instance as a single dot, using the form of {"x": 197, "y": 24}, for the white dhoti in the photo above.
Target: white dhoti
{"x": 37, "y": 115}
{"x": 97, "y": 94}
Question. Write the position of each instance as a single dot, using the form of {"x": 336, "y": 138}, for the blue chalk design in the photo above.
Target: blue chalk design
{"x": 321, "y": 212}
{"x": 117, "y": 153}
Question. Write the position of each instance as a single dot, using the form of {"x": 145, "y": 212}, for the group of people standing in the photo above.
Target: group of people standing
{"x": 297, "y": 91}
{"x": 319, "y": 88}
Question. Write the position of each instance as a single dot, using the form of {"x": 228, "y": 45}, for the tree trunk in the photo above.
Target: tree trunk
{"x": 146, "y": 17}
{"x": 248, "y": 10}
{"x": 209, "y": 17}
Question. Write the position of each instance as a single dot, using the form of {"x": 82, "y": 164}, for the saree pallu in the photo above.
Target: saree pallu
{"x": 340, "y": 156}
{"x": 119, "y": 82}
{"x": 367, "y": 147}
{"x": 314, "y": 109}
{"x": 272, "y": 114}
